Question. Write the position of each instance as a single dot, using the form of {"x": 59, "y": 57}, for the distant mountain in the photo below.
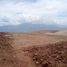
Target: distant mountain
{"x": 28, "y": 27}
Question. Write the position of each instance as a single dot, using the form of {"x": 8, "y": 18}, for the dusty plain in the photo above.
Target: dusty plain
{"x": 33, "y": 49}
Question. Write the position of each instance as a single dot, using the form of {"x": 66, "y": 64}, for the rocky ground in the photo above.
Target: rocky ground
{"x": 53, "y": 55}
{"x": 46, "y": 55}
{"x": 7, "y": 54}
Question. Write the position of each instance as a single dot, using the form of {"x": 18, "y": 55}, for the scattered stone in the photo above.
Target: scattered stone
{"x": 53, "y": 55}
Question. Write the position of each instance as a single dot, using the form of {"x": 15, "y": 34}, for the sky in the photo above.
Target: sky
{"x": 15, "y": 12}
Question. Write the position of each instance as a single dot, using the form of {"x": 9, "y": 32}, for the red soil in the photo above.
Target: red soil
{"x": 51, "y": 55}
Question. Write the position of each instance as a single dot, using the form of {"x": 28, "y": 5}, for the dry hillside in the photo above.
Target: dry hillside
{"x": 35, "y": 49}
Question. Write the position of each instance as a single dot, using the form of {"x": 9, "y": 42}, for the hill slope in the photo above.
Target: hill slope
{"x": 35, "y": 49}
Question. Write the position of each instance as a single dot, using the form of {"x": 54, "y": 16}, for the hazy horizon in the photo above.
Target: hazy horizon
{"x": 45, "y": 13}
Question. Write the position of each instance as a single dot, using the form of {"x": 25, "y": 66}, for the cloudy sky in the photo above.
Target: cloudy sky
{"x": 14, "y": 12}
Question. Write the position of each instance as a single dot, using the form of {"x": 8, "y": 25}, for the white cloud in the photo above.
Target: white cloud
{"x": 39, "y": 11}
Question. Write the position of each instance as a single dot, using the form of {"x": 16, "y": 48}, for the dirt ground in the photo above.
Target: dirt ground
{"x": 36, "y": 49}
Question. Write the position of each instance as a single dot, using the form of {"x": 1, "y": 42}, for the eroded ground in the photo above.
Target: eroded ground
{"x": 35, "y": 49}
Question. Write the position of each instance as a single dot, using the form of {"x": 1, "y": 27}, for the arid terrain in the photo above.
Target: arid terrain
{"x": 34, "y": 49}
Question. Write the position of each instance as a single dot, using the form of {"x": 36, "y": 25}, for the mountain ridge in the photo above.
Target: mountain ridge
{"x": 28, "y": 27}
